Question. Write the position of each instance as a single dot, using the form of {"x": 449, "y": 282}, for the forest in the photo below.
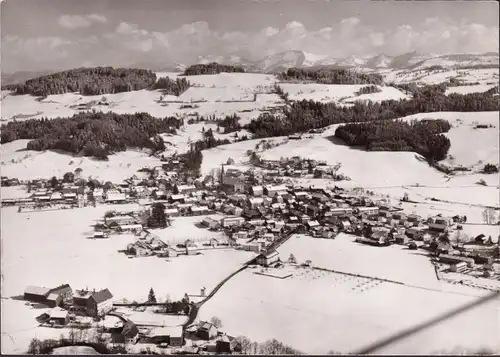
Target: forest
{"x": 92, "y": 134}
{"x": 424, "y": 137}
{"x": 302, "y": 116}
{"x": 87, "y": 81}
{"x": 172, "y": 87}
{"x": 330, "y": 76}
{"x": 211, "y": 68}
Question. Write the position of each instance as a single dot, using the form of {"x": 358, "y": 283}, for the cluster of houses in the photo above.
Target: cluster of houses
{"x": 67, "y": 306}
{"x": 66, "y": 303}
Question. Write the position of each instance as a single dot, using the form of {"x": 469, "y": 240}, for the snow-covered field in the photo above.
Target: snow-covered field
{"x": 19, "y": 326}
{"x": 316, "y": 311}
{"x": 334, "y": 93}
{"x": 477, "y": 88}
{"x": 487, "y": 77}
{"x": 469, "y": 146}
{"x": 53, "y": 248}
{"x": 183, "y": 228}
{"x": 16, "y": 162}
{"x": 364, "y": 168}
{"x": 342, "y": 254}
{"x": 148, "y": 317}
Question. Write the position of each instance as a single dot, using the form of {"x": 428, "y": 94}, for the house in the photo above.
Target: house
{"x": 255, "y": 202}
{"x": 53, "y": 300}
{"x": 36, "y": 294}
{"x": 270, "y": 191}
{"x": 252, "y": 247}
{"x": 172, "y": 212}
{"x": 210, "y": 223}
{"x": 119, "y": 220}
{"x": 173, "y": 336}
{"x": 128, "y": 333}
{"x": 257, "y": 191}
{"x": 116, "y": 198}
{"x": 369, "y": 211}
{"x": 93, "y": 303}
{"x": 223, "y": 345}
{"x": 177, "y": 198}
{"x": 232, "y": 221}
{"x": 131, "y": 227}
{"x": 99, "y": 234}
{"x": 312, "y": 224}
{"x": 198, "y": 210}
{"x": 184, "y": 189}
{"x": 58, "y": 316}
{"x": 459, "y": 267}
{"x": 439, "y": 225}
{"x": 64, "y": 290}
{"x": 139, "y": 249}
{"x": 206, "y": 331}
{"x": 416, "y": 233}
{"x": 267, "y": 258}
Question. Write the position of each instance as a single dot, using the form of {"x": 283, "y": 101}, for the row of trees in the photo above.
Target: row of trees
{"x": 211, "y": 68}
{"x": 246, "y": 346}
{"x": 369, "y": 90}
{"x": 92, "y": 134}
{"x": 172, "y": 87}
{"x": 88, "y": 81}
{"x": 304, "y": 115}
{"x": 423, "y": 137}
{"x": 330, "y": 76}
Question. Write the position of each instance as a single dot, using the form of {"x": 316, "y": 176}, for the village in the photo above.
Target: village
{"x": 239, "y": 208}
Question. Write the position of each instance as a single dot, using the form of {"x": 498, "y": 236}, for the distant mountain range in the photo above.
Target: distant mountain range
{"x": 282, "y": 61}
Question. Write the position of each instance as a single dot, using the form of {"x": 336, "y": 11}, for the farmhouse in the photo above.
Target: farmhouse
{"x": 126, "y": 334}
{"x": 93, "y": 303}
{"x": 172, "y": 335}
{"x": 36, "y": 294}
{"x": 267, "y": 258}
{"x": 206, "y": 331}
{"x": 59, "y": 316}
{"x": 210, "y": 223}
{"x": 270, "y": 191}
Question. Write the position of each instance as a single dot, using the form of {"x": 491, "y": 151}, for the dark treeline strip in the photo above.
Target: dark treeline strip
{"x": 88, "y": 81}
{"x": 424, "y": 137}
{"x": 305, "y": 115}
{"x": 172, "y": 87}
{"x": 211, "y": 68}
{"x": 92, "y": 134}
{"x": 330, "y": 76}
{"x": 369, "y": 90}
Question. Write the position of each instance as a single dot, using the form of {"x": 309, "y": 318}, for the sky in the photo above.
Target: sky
{"x": 62, "y": 34}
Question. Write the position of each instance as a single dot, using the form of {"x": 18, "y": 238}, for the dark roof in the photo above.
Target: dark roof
{"x": 101, "y": 296}
{"x": 129, "y": 329}
{"x": 206, "y": 326}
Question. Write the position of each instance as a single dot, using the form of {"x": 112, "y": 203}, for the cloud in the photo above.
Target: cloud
{"x": 72, "y": 22}
{"x": 130, "y": 42}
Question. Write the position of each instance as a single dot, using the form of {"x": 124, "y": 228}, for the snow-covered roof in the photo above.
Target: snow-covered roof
{"x": 37, "y": 290}
{"x": 58, "y": 313}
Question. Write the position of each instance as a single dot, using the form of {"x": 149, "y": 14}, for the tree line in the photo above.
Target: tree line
{"x": 92, "y": 134}
{"x": 87, "y": 81}
{"x": 172, "y": 87}
{"x": 424, "y": 137}
{"x": 368, "y": 90}
{"x": 302, "y": 116}
{"x": 330, "y": 76}
{"x": 211, "y": 68}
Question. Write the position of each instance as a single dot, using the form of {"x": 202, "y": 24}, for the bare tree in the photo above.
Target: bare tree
{"x": 489, "y": 216}
{"x": 216, "y": 322}
{"x": 459, "y": 237}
